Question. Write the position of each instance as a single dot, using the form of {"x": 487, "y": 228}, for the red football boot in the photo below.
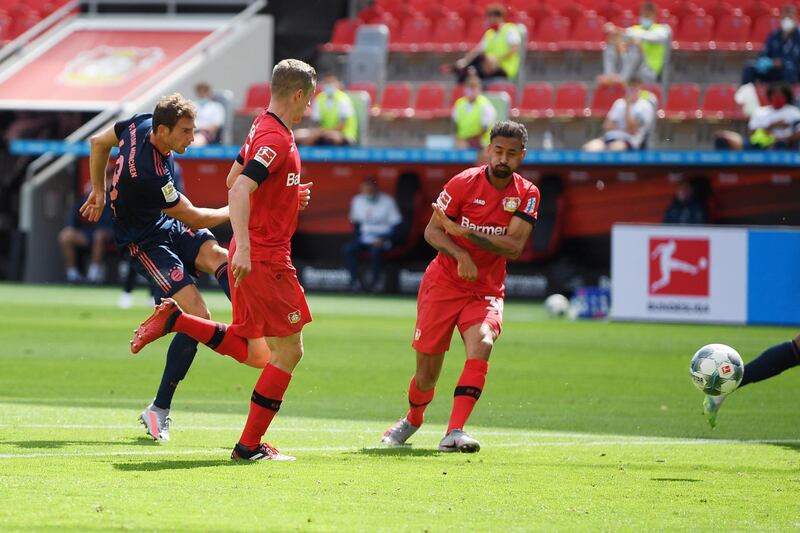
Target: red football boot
{"x": 159, "y": 324}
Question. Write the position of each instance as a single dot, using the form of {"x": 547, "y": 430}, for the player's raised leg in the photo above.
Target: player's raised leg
{"x": 420, "y": 393}
{"x": 267, "y": 398}
{"x": 770, "y": 363}
{"x": 478, "y": 342}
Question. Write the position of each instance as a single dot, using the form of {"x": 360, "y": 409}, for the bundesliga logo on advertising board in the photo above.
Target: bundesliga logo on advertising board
{"x": 679, "y": 267}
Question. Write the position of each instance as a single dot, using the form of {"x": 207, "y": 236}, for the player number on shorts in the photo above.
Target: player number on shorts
{"x": 495, "y": 304}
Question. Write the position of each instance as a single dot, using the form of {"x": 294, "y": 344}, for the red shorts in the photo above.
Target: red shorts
{"x": 269, "y": 302}
{"x": 441, "y": 308}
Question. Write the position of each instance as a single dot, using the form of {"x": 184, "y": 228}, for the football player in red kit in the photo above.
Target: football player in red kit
{"x": 269, "y": 305}
{"x": 483, "y": 216}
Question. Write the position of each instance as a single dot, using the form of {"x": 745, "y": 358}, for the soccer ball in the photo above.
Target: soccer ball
{"x": 556, "y": 305}
{"x": 716, "y": 369}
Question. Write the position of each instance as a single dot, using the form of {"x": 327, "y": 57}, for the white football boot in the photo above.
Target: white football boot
{"x": 156, "y": 421}
{"x": 399, "y": 433}
{"x": 458, "y": 441}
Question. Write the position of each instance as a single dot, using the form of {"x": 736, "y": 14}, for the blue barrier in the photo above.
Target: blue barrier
{"x": 315, "y": 154}
{"x": 773, "y": 276}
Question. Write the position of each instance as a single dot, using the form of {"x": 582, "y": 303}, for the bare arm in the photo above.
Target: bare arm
{"x": 436, "y": 236}
{"x": 100, "y": 146}
{"x": 197, "y": 217}
{"x": 239, "y": 202}
{"x": 509, "y": 245}
{"x": 233, "y": 173}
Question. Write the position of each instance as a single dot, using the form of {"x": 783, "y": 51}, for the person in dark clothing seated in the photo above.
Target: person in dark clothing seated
{"x": 686, "y": 206}
{"x": 780, "y": 60}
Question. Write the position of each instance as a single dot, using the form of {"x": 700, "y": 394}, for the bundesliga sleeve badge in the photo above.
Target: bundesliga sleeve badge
{"x": 265, "y": 155}
{"x": 169, "y": 192}
{"x": 511, "y": 203}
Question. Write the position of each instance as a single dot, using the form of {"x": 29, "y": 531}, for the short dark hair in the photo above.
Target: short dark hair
{"x": 496, "y": 10}
{"x": 292, "y": 74}
{"x": 781, "y": 86}
{"x": 509, "y": 128}
{"x": 170, "y": 109}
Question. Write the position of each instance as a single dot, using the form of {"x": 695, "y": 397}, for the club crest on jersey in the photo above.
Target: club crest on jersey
{"x": 176, "y": 274}
{"x": 294, "y": 317}
{"x": 265, "y": 155}
{"x": 511, "y": 203}
{"x": 444, "y": 200}
{"x": 530, "y": 207}
{"x": 169, "y": 192}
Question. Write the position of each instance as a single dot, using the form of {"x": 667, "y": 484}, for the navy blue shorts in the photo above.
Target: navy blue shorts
{"x": 167, "y": 259}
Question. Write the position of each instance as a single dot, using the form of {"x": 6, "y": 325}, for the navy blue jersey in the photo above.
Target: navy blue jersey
{"x": 143, "y": 183}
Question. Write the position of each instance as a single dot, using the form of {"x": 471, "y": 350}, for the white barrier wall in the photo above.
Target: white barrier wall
{"x": 679, "y": 273}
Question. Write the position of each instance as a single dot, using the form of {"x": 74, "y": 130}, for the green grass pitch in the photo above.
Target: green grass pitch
{"x": 584, "y": 426}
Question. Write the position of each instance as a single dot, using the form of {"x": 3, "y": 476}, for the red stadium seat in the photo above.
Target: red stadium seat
{"x": 604, "y": 97}
{"x": 550, "y": 34}
{"x": 475, "y": 30}
{"x": 763, "y": 26}
{"x": 719, "y": 102}
{"x": 343, "y": 36}
{"x": 683, "y": 102}
{"x": 257, "y": 98}
{"x": 537, "y": 101}
{"x": 542, "y": 10}
{"x": 610, "y": 10}
{"x": 758, "y": 8}
{"x": 694, "y": 33}
{"x": 505, "y": 87}
{"x": 570, "y": 100}
{"x": 521, "y": 17}
{"x": 430, "y": 101}
{"x": 587, "y": 34}
{"x": 656, "y": 90}
{"x": 716, "y": 8}
{"x": 625, "y": 19}
{"x": 368, "y": 87}
{"x": 396, "y": 100}
{"x": 414, "y": 33}
{"x": 458, "y": 92}
{"x": 732, "y": 32}
{"x": 448, "y": 34}
{"x": 24, "y": 20}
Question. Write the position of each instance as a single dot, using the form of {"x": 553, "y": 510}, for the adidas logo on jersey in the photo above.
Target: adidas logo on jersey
{"x": 489, "y": 230}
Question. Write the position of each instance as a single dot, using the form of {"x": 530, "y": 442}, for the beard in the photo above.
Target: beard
{"x": 501, "y": 171}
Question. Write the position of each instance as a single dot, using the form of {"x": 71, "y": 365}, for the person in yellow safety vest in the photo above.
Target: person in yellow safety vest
{"x": 640, "y": 50}
{"x": 333, "y": 112}
{"x": 497, "y": 54}
{"x": 473, "y": 115}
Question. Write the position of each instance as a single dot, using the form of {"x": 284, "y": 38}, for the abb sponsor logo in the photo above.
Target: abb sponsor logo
{"x": 679, "y": 267}
{"x": 489, "y": 230}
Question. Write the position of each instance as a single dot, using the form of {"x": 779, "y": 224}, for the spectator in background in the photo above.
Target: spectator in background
{"x": 639, "y": 51}
{"x": 473, "y": 115}
{"x": 771, "y": 127}
{"x": 80, "y": 234}
{"x": 497, "y": 54}
{"x": 374, "y": 216}
{"x": 629, "y": 122}
{"x": 210, "y": 117}
{"x": 333, "y": 112}
{"x": 780, "y": 59}
{"x": 686, "y": 206}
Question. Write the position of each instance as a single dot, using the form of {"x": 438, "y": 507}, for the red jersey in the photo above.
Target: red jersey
{"x": 274, "y": 204}
{"x": 471, "y": 200}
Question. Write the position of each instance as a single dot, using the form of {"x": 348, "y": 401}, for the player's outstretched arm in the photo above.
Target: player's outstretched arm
{"x": 436, "y": 236}
{"x": 197, "y": 217}
{"x": 509, "y": 245}
{"x": 100, "y": 146}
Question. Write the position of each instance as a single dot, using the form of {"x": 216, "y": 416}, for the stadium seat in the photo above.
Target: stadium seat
{"x": 719, "y": 102}
{"x": 396, "y": 100}
{"x": 430, "y": 101}
{"x": 570, "y": 100}
{"x": 625, "y": 19}
{"x": 717, "y": 9}
{"x": 458, "y": 92}
{"x": 475, "y": 30}
{"x": 758, "y": 8}
{"x": 522, "y": 17}
{"x": 694, "y": 33}
{"x": 550, "y": 34}
{"x": 536, "y": 102}
{"x": 368, "y": 87}
{"x": 505, "y": 87}
{"x": 541, "y": 10}
{"x": 732, "y": 32}
{"x": 610, "y": 10}
{"x": 414, "y": 33}
{"x": 24, "y": 20}
{"x": 343, "y": 36}
{"x": 603, "y": 98}
{"x": 763, "y": 26}
{"x": 655, "y": 89}
{"x": 257, "y": 98}
{"x": 683, "y": 102}
{"x": 587, "y": 33}
{"x": 448, "y": 34}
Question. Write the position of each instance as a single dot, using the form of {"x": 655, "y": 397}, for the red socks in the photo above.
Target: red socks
{"x": 213, "y": 334}
{"x": 264, "y": 404}
{"x": 467, "y": 392}
{"x": 418, "y": 400}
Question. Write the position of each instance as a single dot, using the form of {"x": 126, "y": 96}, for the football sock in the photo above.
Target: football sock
{"x": 418, "y": 401}
{"x": 180, "y": 355}
{"x": 468, "y": 390}
{"x": 222, "y": 278}
{"x": 264, "y": 404}
{"x": 772, "y": 362}
{"x": 215, "y": 335}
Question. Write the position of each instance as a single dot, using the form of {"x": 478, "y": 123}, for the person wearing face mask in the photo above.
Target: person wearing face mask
{"x": 333, "y": 112}
{"x": 210, "y": 116}
{"x": 497, "y": 53}
{"x": 780, "y": 60}
{"x": 629, "y": 123}
{"x": 640, "y": 50}
{"x": 473, "y": 115}
{"x": 375, "y": 217}
{"x": 771, "y": 127}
